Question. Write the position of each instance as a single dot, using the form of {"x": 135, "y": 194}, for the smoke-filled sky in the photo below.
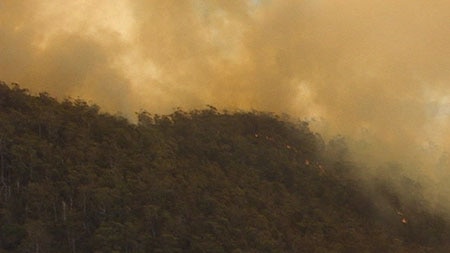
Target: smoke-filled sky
{"x": 376, "y": 70}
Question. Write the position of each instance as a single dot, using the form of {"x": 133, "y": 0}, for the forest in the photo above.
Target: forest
{"x": 76, "y": 179}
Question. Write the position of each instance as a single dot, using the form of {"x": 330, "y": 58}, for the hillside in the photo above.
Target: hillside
{"x": 74, "y": 179}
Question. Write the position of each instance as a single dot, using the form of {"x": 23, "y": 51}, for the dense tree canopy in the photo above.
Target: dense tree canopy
{"x": 74, "y": 179}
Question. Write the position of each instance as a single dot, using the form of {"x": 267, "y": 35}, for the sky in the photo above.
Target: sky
{"x": 377, "y": 71}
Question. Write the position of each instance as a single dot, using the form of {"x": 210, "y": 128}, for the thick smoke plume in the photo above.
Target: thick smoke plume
{"x": 378, "y": 71}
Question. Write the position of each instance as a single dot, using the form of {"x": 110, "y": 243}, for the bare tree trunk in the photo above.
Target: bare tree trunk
{"x": 73, "y": 245}
{"x": 55, "y": 212}
{"x": 64, "y": 211}
{"x": 2, "y": 174}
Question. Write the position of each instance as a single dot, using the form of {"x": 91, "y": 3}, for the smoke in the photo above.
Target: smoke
{"x": 374, "y": 70}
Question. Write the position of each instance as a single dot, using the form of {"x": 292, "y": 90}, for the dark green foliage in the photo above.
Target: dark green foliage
{"x": 77, "y": 180}
{"x": 12, "y": 235}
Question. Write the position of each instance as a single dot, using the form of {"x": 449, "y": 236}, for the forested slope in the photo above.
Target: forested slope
{"x": 77, "y": 180}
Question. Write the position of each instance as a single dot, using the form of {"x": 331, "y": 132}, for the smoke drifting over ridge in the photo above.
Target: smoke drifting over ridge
{"x": 375, "y": 70}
